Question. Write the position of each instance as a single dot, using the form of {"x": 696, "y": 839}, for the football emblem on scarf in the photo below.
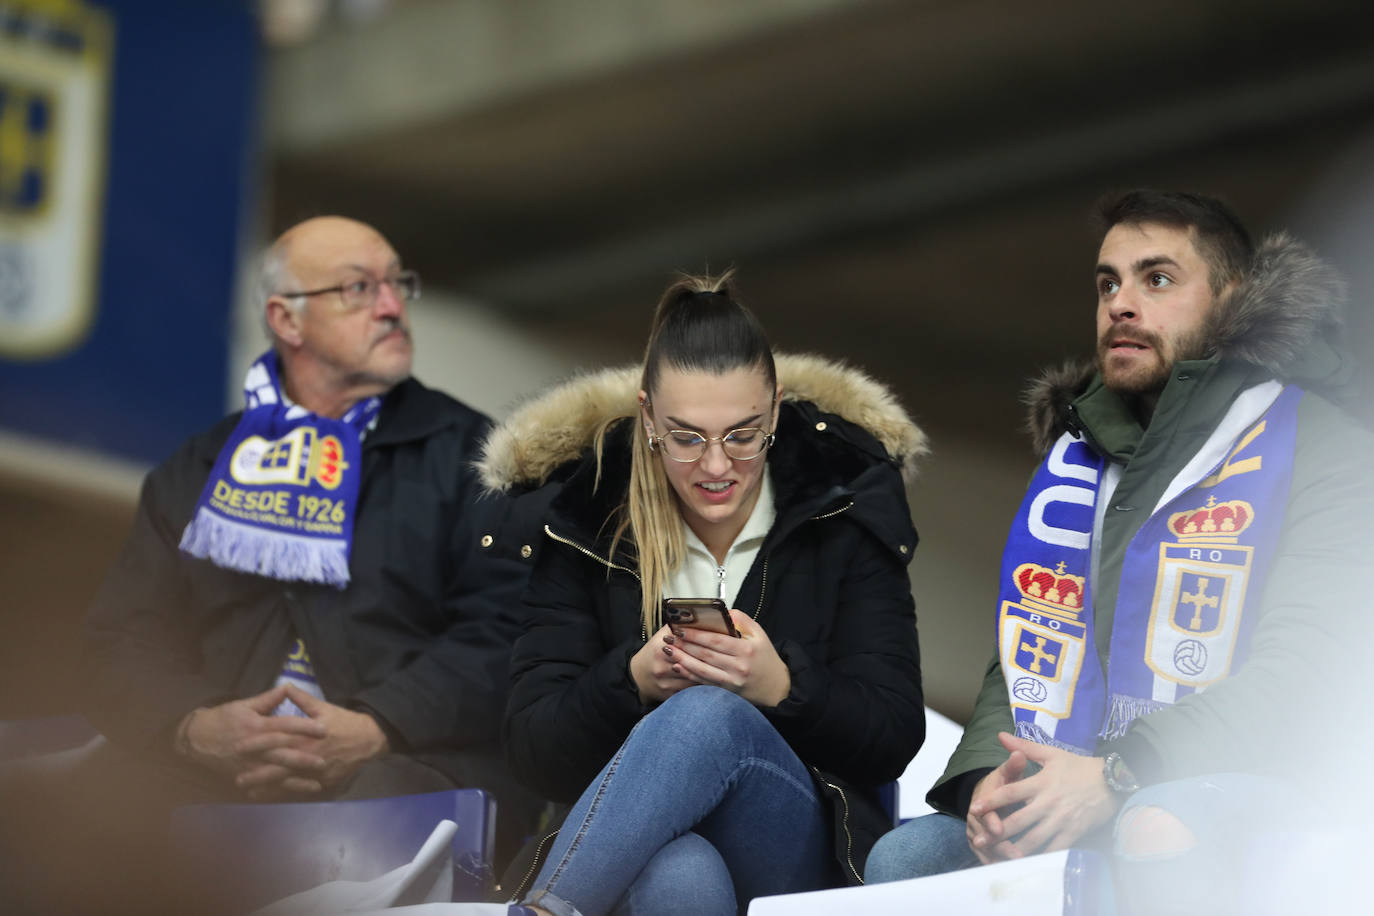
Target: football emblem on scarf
{"x": 1191, "y": 657}
{"x": 1030, "y": 690}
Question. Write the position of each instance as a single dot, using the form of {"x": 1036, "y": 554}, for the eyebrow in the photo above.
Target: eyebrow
{"x": 1141, "y": 265}
{"x": 1157, "y": 261}
{"x": 741, "y": 424}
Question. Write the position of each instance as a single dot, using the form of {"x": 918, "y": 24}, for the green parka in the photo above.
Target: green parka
{"x": 1276, "y": 710}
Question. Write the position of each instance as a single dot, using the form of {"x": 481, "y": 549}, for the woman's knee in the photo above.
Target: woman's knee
{"x": 707, "y": 702}
{"x": 705, "y": 713}
{"x": 706, "y": 732}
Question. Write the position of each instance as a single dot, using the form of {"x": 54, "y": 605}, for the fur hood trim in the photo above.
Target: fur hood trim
{"x": 1290, "y": 302}
{"x": 558, "y": 426}
{"x": 1047, "y": 399}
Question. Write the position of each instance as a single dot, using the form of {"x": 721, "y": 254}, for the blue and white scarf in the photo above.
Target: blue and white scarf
{"x": 282, "y": 495}
{"x": 1189, "y": 576}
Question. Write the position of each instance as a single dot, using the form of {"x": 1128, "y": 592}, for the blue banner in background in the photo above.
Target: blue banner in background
{"x": 128, "y": 132}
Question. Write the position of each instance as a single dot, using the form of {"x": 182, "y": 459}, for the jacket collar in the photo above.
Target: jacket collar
{"x": 1284, "y": 321}
{"x": 1195, "y": 399}
{"x": 842, "y": 438}
{"x": 410, "y": 411}
{"x": 546, "y": 433}
{"x": 814, "y": 472}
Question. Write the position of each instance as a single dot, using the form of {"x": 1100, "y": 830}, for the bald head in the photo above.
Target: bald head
{"x": 306, "y": 246}
{"x": 335, "y": 348}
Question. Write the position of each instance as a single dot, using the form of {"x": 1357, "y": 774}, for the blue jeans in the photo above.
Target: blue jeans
{"x": 923, "y": 846}
{"x": 1235, "y": 817}
{"x": 703, "y": 808}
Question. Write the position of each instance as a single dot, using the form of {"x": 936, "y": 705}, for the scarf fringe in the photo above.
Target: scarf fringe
{"x": 1123, "y": 711}
{"x": 1032, "y": 732}
{"x": 265, "y": 553}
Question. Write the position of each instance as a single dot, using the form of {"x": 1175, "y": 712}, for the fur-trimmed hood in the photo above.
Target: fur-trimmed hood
{"x": 558, "y": 426}
{"x": 1286, "y": 318}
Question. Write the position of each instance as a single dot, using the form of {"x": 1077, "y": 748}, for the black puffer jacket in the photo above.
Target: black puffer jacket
{"x": 829, "y": 586}
{"x": 420, "y": 637}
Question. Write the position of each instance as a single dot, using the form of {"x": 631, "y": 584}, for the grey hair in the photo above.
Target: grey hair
{"x": 273, "y": 278}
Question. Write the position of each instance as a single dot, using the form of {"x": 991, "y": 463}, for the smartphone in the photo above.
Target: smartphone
{"x": 702, "y": 613}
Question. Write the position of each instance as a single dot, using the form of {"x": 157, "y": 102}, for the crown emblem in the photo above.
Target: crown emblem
{"x": 1214, "y": 521}
{"x": 327, "y": 462}
{"x": 1051, "y": 590}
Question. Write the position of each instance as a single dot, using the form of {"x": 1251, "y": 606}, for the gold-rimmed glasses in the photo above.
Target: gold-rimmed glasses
{"x": 743, "y": 444}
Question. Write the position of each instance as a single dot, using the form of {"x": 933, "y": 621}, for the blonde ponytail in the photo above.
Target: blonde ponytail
{"x": 650, "y": 519}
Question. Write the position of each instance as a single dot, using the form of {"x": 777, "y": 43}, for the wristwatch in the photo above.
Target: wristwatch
{"x": 1118, "y": 776}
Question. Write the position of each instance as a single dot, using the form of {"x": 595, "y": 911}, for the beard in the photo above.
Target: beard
{"x": 1151, "y": 377}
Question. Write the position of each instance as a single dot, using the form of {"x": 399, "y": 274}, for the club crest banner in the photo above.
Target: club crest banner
{"x": 54, "y": 91}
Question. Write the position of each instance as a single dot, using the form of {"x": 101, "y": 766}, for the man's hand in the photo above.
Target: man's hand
{"x": 748, "y": 665}
{"x": 349, "y": 740}
{"x": 1062, "y": 803}
{"x": 983, "y": 826}
{"x": 652, "y": 670}
{"x": 229, "y": 738}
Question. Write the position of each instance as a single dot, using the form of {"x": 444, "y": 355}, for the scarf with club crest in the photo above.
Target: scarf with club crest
{"x": 281, "y": 497}
{"x": 1191, "y": 579}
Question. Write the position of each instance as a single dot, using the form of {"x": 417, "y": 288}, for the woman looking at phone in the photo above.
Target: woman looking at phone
{"x": 706, "y": 769}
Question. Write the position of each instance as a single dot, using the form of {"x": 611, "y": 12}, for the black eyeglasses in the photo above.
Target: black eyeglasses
{"x": 362, "y": 293}
{"x": 743, "y": 444}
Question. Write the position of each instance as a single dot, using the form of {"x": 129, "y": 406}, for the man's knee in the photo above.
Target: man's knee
{"x": 890, "y": 858}
{"x": 925, "y": 846}
{"x": 1151, "y": 832}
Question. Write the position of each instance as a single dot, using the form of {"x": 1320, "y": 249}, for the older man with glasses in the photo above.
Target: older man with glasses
{"x": 311, "y": 603}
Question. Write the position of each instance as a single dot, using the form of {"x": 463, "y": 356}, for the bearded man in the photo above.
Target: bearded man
{"x": 1181, "y": 579}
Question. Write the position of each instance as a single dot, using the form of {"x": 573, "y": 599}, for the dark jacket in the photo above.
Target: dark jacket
{"x": 419, "y": 637}
{"x": 1272, "y": 713}
{"x": 829, "y": 586}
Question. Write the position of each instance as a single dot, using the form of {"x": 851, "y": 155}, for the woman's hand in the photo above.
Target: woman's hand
{"x": 748, "y": 665}
{"x": 652, "y": 670}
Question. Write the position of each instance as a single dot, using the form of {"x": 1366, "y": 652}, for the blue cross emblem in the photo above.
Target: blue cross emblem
{"x": 1199, "y": 603}
{"x": 1038, "y": 654}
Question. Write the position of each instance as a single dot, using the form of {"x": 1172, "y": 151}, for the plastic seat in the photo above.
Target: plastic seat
{"x": 247, "y": 855}
{"x": 890, "y": 794}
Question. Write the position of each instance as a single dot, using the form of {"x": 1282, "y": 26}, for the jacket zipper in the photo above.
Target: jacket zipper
{"x": 643, "y": 630}
{"x": 844, "y": 822}
{"x": 833, "y": 512}
{"x": 533, "y": 869}
{"x": 595, "y": 556}
{"x": 763, "y": 576}
{"x": 844, "y": 799}
{"x": 763, "y": 587}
